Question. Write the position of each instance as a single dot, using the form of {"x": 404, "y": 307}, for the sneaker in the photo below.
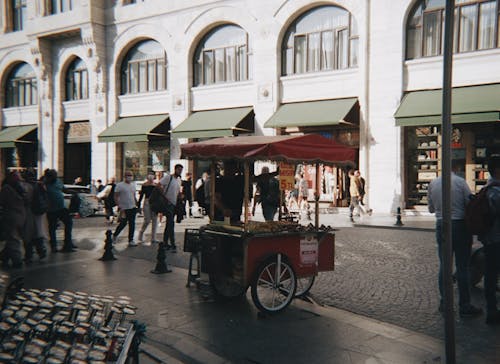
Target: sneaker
{"x": 470, "y": 311}
{"x": 493, "y": 317}
{"x": 132, "y": 243}
{"x": 370, "y": 212}
{"x": 352, "y": 220}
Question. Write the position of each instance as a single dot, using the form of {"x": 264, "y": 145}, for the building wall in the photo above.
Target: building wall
{"x": 101, "y": 33}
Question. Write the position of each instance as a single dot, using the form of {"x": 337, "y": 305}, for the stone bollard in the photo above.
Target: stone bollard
{"x": 398, "y": 217}
{"x": 108, "y": 248}
{"x": 161, "y": 262}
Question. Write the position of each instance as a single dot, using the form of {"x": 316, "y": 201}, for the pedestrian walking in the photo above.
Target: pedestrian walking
{"x": 127, "y": 207}
{"x": 200, "y": 192}
{"x": 12, "y": 203}
{"x": 171, "y": 188}
{"x": 491, "y": 242}
{"x": 107, "y": 195}
{"x": 149, "y": 216}
{"x": 303, "y": 188}
{"x": 269, "y": 189}
{"x": 187, "y": 190}
{"x": 461, "y": 240}
{"x": 37, "y": 206}
{"x": 99, "y": 186}
{"x": 57, "y": 212}
{"x": 357, "y": 192}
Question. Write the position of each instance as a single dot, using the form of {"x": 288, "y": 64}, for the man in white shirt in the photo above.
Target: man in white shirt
{"x": 171, "y": 184}
{"x": 127, "y": 207}
{"x": 461, "y": 238}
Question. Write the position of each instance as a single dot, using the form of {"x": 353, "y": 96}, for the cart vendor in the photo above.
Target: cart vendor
{"x": 229, "y": 193}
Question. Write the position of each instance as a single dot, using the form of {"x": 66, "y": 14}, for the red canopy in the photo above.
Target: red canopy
{"x": 297, "y": 148}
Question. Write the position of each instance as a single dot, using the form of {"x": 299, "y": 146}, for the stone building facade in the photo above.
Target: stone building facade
{"x": 93, "y": 87}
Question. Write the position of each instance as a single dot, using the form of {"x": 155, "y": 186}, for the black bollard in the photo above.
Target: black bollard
{"x": 398, "y": 217}
{"x": 108, "y": 248}
{"x": 161, "y": 262}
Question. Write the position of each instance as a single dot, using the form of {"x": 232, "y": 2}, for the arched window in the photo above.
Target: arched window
{"x": 21, "y": 88}
{"x": 476, "y": 27}
{"x": 144, "y": 69}
{"x": 324, "y": 38}
{"x": 222, "y": 56}
{"x": 77, "y": 81}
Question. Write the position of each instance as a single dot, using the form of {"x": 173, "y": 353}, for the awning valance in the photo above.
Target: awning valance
{"x": 135, "y": 129}
{"x": 312, "y": 113}
{"x": 15, "y": 134}
{"x": 216, "y": 123}
{"x": 472, "y": 104}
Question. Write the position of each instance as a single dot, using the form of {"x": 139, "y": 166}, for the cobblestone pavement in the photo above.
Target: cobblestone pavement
{"x": 391, "y": 275}
{"x": 386, "y": 274}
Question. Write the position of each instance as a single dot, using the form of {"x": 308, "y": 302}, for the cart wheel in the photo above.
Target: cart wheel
{"x": 274, "y": 285}
{"x": 226, "y": 288}
{"x": 304, "y": 284}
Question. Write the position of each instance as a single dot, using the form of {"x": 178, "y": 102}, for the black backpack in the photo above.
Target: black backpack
{"x": 40, "y": 203}
{"x": 478, "y": 216}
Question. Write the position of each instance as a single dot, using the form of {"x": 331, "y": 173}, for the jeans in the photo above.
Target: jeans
{"x": 67, "y": 220}
{"x": 169, "y": 233}
{"x": 492, "y": 262}
{"x": 269, "y": 211}
{"x": 461, "y": 247}
{"x": 149, "y": 217}
{"x": 130, "y": 219}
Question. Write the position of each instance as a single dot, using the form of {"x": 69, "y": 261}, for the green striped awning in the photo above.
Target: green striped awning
{"x": 15, "y": 134}
{"x": 312, "y": 113}
{"x": 472, "y": 104}
{"x": 216, "y": 123}
{"x": 134, "y": 129}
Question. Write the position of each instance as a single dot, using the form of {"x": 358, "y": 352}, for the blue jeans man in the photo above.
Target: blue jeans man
{"x": 169, "y": 233}
{"x": 461, "y": 247}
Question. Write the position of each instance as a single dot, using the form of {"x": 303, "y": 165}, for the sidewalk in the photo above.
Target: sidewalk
{"x": 182, "y": 327}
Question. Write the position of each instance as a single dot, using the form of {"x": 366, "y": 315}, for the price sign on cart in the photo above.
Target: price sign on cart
{"x": 287, "y": 176}
{"x": 309, "y": 250}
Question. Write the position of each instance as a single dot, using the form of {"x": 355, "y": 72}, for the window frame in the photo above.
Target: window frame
{"x": 127, "y": 71}
{"x": 288, "y": 61}
{"x": 241, "y": 63}
{"x": 458, "y": 29}
{"x": 77, "y": 90}
{"x": 18, "y": 11}
{"x": 19, "y": 89}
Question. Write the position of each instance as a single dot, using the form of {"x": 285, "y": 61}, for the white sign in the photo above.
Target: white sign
{"x": 309, "y": 250}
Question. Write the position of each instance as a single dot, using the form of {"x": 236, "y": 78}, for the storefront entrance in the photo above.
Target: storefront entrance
{"x": 470, "y": 146}
{"x": 77, "y": 152}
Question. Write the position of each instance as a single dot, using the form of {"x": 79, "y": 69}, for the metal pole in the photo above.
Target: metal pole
{"x": 246, "y": 198}
{"x": 446, "y": 183}
{"x": 317, "y": 193}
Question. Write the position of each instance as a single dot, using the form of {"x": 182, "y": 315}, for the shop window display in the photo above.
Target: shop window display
{"x": 143, "y": 157}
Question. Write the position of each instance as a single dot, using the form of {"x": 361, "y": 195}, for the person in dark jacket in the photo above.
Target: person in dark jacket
{"x": 36, "y": 209}
{"x": 13, "y": 204}
{"x": 187, "y": 190}
{"x": 491, "y": 242}
{"x": 57, "y": 211}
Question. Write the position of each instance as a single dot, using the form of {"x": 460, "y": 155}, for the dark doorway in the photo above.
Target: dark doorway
{"x": 77, "y": 162}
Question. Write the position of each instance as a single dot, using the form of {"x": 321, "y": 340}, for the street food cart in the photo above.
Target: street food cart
{"x": 277, "y": 259}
